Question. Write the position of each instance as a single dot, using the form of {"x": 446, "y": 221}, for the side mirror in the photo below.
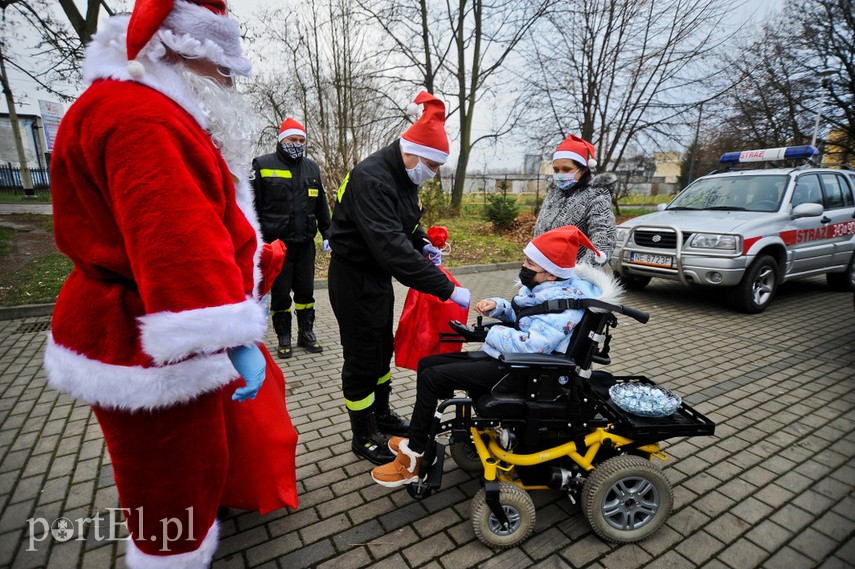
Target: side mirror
{"x": 661, "y": 207}
{"x": 807, "y": 210}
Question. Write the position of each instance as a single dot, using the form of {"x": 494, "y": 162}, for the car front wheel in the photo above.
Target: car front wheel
{"x": 754, "y": 293}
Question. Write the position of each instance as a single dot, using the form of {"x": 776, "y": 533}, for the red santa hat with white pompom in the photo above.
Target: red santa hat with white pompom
{"x": 196, "y": 29}
{"x": 578, "y": 150}
{"x": 556, "y": 251}
{"x": 426, "y": 137}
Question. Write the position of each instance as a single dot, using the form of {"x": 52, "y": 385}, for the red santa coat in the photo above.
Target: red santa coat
{"x": 165, "y": 249}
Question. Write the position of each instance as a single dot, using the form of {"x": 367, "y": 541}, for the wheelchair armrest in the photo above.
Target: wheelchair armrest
{"x": 558, "y": 363}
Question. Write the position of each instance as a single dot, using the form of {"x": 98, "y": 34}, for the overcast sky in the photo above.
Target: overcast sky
{"x": 27, "y": 92}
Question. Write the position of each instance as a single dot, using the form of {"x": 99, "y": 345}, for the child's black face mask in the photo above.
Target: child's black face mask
{"x": 527, "y": 277}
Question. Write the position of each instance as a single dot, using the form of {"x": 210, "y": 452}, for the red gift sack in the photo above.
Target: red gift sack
{"x": 424, "y": 317}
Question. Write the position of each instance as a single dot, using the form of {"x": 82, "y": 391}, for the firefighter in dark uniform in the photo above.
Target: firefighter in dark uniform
{"x": 375, "y": 236}
{"x": 292, "y": 206}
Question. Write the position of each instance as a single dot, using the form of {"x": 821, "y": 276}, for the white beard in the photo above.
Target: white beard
{"x": 231, "y": 121}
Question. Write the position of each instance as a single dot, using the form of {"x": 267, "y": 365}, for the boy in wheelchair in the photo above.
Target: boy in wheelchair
{"x": 549, "y": 274}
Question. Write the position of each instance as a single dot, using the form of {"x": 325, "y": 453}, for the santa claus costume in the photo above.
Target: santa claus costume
{"x": 156, "y": 213}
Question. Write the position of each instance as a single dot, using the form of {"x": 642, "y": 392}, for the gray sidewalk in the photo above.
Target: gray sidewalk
{"x": 773, "y": 488}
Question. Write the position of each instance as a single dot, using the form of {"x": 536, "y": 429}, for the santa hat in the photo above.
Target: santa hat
{"x": 196, "y": 29}
{"x": 426, "y": 137}
{"x": 291, "y": 127}
{"x": 576, "y": 149}
{"x": 556, "y": 250}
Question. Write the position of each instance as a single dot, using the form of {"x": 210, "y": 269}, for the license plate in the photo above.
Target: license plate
{"x": 651, "y": 260}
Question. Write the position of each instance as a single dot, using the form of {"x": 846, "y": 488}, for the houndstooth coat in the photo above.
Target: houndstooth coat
{"x": 588, "y": 207}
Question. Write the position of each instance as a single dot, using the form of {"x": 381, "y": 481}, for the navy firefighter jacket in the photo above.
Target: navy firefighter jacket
{"x": 376, "y": 224}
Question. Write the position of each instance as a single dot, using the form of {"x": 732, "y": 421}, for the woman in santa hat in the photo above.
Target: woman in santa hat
{"x": 159, "y": 325}
{"x": 577, "y": 197}
{"x": 549, "y": 273}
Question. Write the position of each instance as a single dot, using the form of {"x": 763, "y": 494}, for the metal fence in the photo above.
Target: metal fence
{"x": 11, "y": 183}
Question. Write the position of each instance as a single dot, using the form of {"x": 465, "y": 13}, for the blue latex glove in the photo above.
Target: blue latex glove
{"x": 434, "y": 254}
{"x": 461, "y": 297}
{"x": 249, "y": 362}
{"x": 326, "y": 248}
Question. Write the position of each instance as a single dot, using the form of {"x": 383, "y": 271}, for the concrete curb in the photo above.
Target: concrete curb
{"x": 29, "y": 310}
{"x": 25, "y": 311}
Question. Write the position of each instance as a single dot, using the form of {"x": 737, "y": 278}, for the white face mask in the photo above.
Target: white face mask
{"x": 421, "y": 173}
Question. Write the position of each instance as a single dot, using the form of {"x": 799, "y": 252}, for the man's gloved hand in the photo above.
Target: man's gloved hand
{"x": 461, "y": 297}
{"x": 249, "y": 362}
{"x": 326, "y": 248}
{"x": 434, "y": 254}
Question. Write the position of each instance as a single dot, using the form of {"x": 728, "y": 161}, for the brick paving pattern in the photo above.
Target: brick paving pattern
{"x": 773, "y": 488}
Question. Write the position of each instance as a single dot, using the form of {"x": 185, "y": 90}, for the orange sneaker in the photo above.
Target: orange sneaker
{"x": 403, "y": 470}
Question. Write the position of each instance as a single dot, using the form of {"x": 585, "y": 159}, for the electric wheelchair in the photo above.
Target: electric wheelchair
{"x": 551, "y": 423}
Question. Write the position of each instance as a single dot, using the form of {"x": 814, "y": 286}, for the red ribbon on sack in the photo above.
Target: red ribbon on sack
{"x": 425, "y": 317}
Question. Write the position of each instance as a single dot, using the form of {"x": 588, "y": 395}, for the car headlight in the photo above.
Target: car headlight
{"x": 621, "y": 235}
{"x": 729, "y": 243}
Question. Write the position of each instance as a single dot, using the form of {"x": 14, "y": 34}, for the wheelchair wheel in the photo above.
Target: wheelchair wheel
{"x": 466, "y": 456}
{"x": 518, "y": 507}
{"x": 626, "y": 498}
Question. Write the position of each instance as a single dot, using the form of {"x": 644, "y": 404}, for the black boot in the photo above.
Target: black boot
{"x": 388, "y": 422}
{"x": 282, "y": 326}
{"x": 305, "y": 335}
{"x": 367, "y": 442}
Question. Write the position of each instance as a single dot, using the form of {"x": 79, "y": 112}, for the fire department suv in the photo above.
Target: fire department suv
{"x": 748, "y": 230}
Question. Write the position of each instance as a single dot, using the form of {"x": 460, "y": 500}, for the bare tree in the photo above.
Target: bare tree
{"x": 457, "y": 50}
{"x": 785, "y": 86}
{"x": 53, "y": 39}
{"x": 323, "y": 71}
{"x": 620, "y": 71}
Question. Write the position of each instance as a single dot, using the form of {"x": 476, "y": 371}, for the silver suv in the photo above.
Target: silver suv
{"x": 747, "y": 230}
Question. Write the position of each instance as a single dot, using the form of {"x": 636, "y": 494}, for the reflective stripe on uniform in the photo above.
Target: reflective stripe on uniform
{"x": 361, "y": 404}
{"x": 342, "y": 187}
{"x": 303, "y": 306}
{"x": 384, "y": 378}
{"x": 273, "y": 173}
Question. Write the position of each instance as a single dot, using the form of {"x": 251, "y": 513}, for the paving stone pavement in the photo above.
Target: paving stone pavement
{"x": 773, "y": 488}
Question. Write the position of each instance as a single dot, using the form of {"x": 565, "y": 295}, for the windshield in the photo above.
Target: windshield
{"x": 733, "y": 193}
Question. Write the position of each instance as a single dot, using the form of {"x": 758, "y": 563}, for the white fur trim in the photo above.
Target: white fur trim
{"x": 291, "y": 131}
{"x": 173, "y": 336}
{"x": 196, "y": 32}
{"x": 411, "y": 147}
{"x": 567, "y": 154}
{"x": 199, "y": 559}
{"x": 535, "y": 255}
{"x": 603, "y": 279}
{"x": 244, "y": 198}
{"x": 404, "y": 447}
{"x": 134, "y": 388}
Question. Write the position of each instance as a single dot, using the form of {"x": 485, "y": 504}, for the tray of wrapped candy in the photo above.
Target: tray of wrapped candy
{"x": 644, "y": 399}
{"x": 682, "y": 421}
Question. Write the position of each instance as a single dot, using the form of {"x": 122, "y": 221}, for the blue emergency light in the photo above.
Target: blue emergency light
{"x": 770, "y": 154}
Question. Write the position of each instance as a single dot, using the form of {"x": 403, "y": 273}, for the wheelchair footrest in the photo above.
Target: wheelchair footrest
{"x": 433, "y": 480}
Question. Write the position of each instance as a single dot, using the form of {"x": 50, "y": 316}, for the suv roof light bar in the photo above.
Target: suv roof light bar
{"x": 770, "y": 154}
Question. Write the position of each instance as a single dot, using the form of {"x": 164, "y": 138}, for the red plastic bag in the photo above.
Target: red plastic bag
{"x": 424, "y": 317}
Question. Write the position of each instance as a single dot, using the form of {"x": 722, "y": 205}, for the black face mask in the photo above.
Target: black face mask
{"x": 527, "y": 277}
